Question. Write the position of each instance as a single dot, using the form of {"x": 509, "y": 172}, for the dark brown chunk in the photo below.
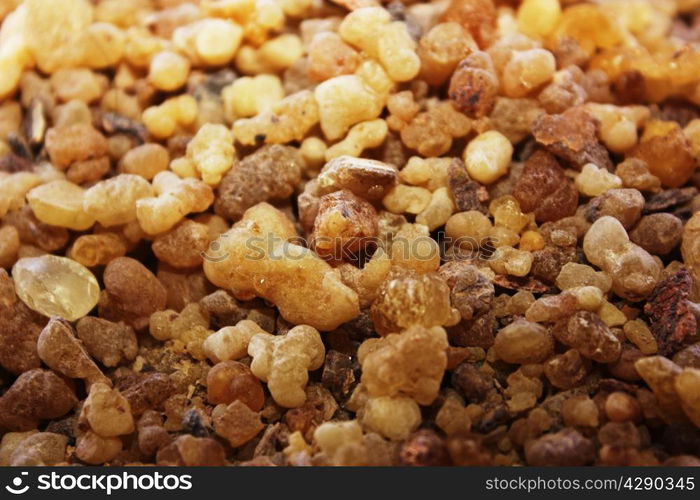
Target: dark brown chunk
{"x": 544, "y": 189}
{"x": 571, "y": 136}
{"x": 467, "y": 193}
{"x": 424, "y": 448}
{"x": 271, "y": 173}
{"x": 672, "y": 320}
{"x": 566, "y": 448}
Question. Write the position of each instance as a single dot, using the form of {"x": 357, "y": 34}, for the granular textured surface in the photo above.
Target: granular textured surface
{"x": 349, "y": 233}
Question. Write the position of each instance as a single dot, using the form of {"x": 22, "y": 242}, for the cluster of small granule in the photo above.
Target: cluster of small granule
{"x": 349, "y": 232}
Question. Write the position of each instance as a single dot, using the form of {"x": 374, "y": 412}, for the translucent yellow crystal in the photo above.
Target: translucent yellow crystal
{"x": 56, "y": 286}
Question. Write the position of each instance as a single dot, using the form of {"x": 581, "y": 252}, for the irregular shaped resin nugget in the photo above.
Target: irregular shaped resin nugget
{"x": 255, "y": 258}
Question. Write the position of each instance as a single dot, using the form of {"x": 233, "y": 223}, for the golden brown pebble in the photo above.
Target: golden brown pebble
{"x": 415, "y": 358}
{"x": 59, "y": 348}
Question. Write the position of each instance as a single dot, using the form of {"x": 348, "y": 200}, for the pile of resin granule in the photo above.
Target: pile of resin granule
{"x": 350, "y": 232}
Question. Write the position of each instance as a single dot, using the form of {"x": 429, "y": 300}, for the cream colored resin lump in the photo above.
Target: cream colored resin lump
{"x": 333, "y": 437}
{"x": 392, "y": 417}
{"x": 163, "y": 120}
{"x": 56, "y": 286}
{"x": 283, "y": 362}
{"x": 407, "y": 199}
{"x": 438, "y": 210}
{"x": 211, "y": 42}
{"x": 255, "y": 258}
{"x": 107, "y": 412}
{"x": 231, "y": 342}
{"x": 372, "y": 30}
{"x": 113, "y": 201}
{"x": 362, "y": 28}
{"x": 487, "y": 157}
{"x": 168, "y": 71}
{"x": 397, "y": 52}
{"x": 287, "y": 120}
{"x": 175, "y": 198}
{"x": 365, "y": 135}
{"x": 633, "y": 270}
{"x": 594, "y": 181}
{"x": 212, "y": 152}
{"x": 250, "y": 95}
{"x": 344, "y": 101}
{"x": 619, "y": 124}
